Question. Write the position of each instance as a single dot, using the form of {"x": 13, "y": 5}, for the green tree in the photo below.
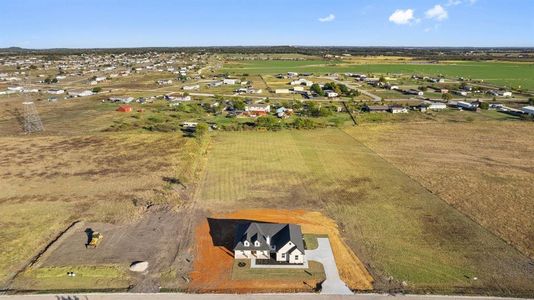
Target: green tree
{"x": 317, "y": 89}
{"x": 344, "y": 89}
{"x": 531, "y": 101}
{"x": 268, "y": 122}
{"x": 96, "y": 89}
{"x": 382, "y": 79}
{"x": 423, "y": 88}
{"x": 303, "y": 123}
{"x": 446, "y": 96}
{"x": 484, "y": 105}
{"x": 201, "y": 130}
{"x": 238, "y": 104}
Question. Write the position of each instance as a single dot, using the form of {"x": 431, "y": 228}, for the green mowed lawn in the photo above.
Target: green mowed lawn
{"x": 501, "y": 73}
{"x": 400, "y": 230}
{"x": 315, "y": 271}
{"x": 107, "y": 277}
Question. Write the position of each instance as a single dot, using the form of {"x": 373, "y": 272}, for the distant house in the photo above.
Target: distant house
{"x": 258, "y": 109}
{"x": 121, "y": 99}
{"x": 283, "y": 112}
{"x": 301, "y": 81}
{"x": 164, "y": 82}
{"x": 375, "y": 108}
{"x": 215, "y": 84}
{"x": 124, "y": 108}
{"x": 500, "y": 93}
{"x": 282, "y": 91}
{"x": 281, "y": 243}
{"x": 466, "y": 105}
{"x": 415, "y": 92}
{"x": 15, "y": 88}
{"x": 392, "y": 87}
{"x": 398, "y": 110}
{"x": 80, "y": 93}
{"x": 437, "y": 106}
{"x": 529, "y": 110}
{"x": 191, "y": 87}
{"x": 292, "y": 74}
{"x": 437, "y": 80}
{"x": 461, "y": 93}
{"x": 56, "y": 92}
{"x": 189, "y": 124}
{"x": 230, "y": 81}
{"x": 331, "y": 94}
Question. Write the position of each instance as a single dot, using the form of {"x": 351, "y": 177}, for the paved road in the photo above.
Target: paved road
{"x": 164, "y": 296}
{"x": 333, "y": 285}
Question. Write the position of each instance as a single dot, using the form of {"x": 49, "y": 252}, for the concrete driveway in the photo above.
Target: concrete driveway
{"x": 333, "y": 285}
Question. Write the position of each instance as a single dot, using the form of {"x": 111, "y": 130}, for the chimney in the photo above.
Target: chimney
{"x": 268, "y": 240}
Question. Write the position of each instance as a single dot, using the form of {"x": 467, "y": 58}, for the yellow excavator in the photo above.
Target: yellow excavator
{"x": 96, "y": 239}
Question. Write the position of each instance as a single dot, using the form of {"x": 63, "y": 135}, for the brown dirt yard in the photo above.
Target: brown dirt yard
{"x": 157, "y": 238}
{"x": 484, "y": 169}
{"x": 212, "y": 268}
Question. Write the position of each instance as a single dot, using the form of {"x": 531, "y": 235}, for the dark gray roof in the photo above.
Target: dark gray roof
{"x": 280, "y": 235}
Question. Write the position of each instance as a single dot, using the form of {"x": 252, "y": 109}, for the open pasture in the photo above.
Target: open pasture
{"x": 489, "y": 181}
{"x": 500, "y": 73}
{"x": 406, "y": 236}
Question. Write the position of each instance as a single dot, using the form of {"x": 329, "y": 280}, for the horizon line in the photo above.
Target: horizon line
{"x": 273, "y": 46}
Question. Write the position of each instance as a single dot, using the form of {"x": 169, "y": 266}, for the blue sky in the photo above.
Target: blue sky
{"x": 136, "y": 23}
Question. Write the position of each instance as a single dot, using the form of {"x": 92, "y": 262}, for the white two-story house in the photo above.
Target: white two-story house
{"x": 278, "y": 242}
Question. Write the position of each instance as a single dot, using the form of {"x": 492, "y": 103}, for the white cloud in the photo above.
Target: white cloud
{"x": 458, "y": 2}
{"x": 453, "y": 2}
{"x": 329, "y": 18}
{"x": 402, "y": 16}
{"x": 437, "y": 12}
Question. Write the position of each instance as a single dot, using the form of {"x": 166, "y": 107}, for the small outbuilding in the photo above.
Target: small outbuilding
{"x": 125, "y": 108}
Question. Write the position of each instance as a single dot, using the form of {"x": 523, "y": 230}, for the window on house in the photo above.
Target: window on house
{"x": 246, "y": 243}
{"x": 257, "y": 244}
{"x": 296, "y": 257}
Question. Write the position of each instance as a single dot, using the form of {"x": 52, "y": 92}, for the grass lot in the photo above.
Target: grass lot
{"x": 20, "y": 233}
{"x": 87, "y": 278}
{"x": 489, "y": 181}
{"x": 310, "y": 241}
{"x": 448, "y": 116}
{"x": 314, "y": 272}
{"x": 47, "y": 182}
{"x": 501, "y": 73}
{"x": 401, "y": 230}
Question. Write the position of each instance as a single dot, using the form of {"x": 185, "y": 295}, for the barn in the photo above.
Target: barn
{"x": 124, "y": 108}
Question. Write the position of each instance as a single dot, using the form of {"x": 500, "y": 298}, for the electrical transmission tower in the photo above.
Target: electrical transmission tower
{"x": 32, "y": 121}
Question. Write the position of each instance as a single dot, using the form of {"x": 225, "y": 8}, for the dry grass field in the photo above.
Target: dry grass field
{"x": 401, "y": 231}
{"x": 485, "y": 169}
{"x": 74, "y": 171}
